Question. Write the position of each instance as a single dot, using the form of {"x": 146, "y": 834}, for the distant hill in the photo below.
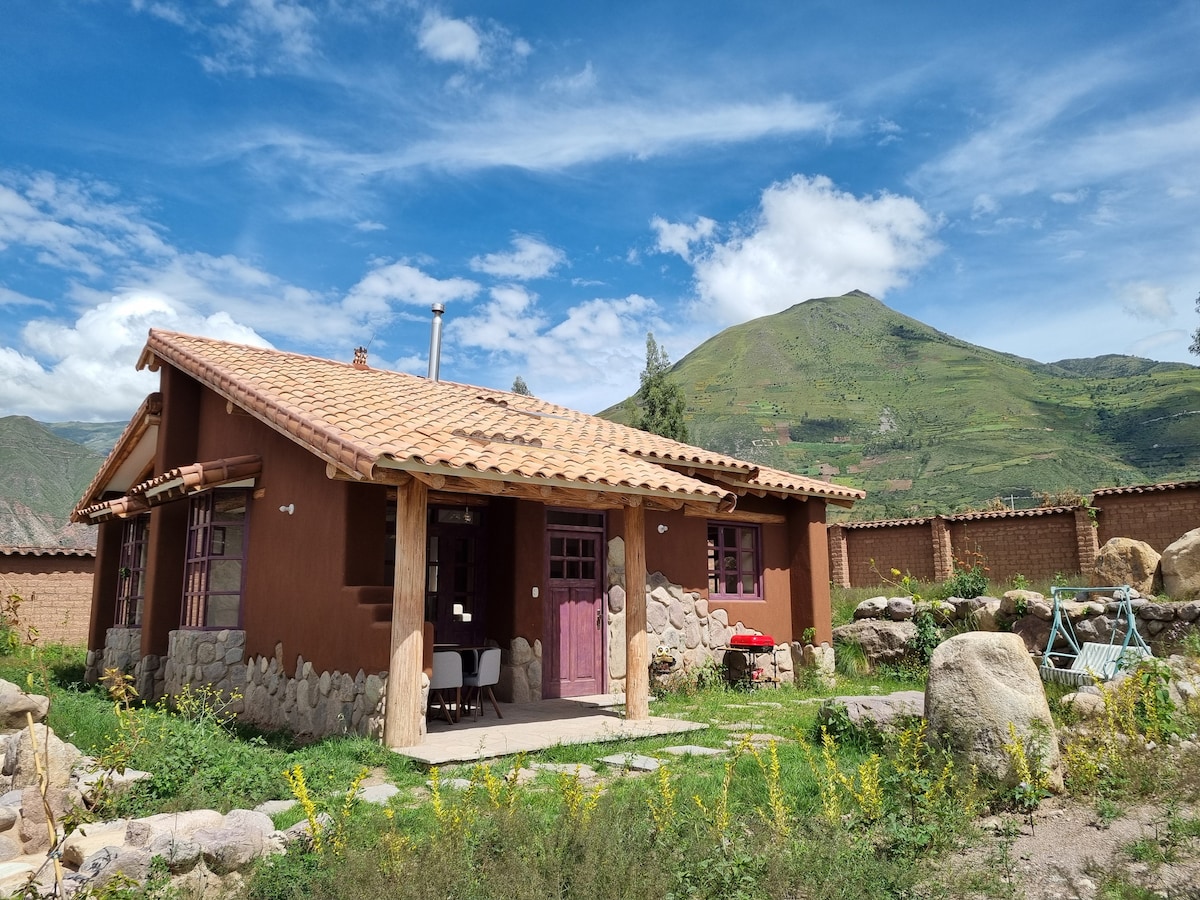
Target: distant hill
{"x": 846, "y": 388}
{"x": 42, "y": 476}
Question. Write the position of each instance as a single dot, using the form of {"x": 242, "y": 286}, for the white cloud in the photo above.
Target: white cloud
{"x": 1154, "y": 345}
{"x": 812, "y": 240}
{"x": 1146, "y": 301}
{"x": 589, "y": 356}
{"x": 403, "y": 283}
{"x": 538, "y": 136}
{"x": 449, "y": 40}
{"x": 86, "y": 369}
{"x": 1070, "y": 197}
{"x": 984, "y": 205}
{"x": 676, "y": 237}
{"x": 580, "y": 82}
{"x": 530, "y": 258}
{"x": 247, "y": 37}
{"x": 369, "y": 225}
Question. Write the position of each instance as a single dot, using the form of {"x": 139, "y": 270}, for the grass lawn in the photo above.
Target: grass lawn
{"x": 778, "y": 813}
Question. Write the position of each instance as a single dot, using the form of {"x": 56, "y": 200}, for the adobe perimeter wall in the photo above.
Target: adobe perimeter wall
{"x": 1035, "y": 543}
{"x": 55, "y": 588}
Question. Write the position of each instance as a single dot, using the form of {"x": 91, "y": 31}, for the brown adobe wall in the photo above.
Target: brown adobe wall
{"x": 56, "y": 592}
{"x": 1157, "y": 517}
{"x": 908, "y": 548}
{"x": 1034, "y": 546}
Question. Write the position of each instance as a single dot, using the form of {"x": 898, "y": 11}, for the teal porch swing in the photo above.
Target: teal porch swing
{"x": 1091, "y": 661}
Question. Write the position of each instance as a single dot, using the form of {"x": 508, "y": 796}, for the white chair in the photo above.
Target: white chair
{"x": 447, "y": 675}
{"x": 487, "y": 673}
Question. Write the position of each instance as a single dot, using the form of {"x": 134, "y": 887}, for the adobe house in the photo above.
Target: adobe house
{"x": 284, "y": 526}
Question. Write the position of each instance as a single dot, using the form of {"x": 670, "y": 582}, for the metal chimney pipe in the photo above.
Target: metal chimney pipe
{"x": 435, "y": 341}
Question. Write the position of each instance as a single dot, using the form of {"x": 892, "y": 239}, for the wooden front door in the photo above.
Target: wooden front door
{"x": 575, "y": 631}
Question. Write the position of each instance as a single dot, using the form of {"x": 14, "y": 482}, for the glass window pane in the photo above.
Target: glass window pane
{"x": 747, "y": 539}
{"x": 556, "y": 568}
{"x": 747, "y": 561}
{"x": 589, "y": 569}
{"x": 749, "y": 583}
{"x": 731, "y": 584}
{"x": 729, "y": 537}
{"x": 573, "y": 568}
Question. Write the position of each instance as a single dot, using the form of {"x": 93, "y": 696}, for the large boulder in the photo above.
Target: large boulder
{"x": 15, "y": 704}
{"x": 882, "y": 641}
{"x": 1126, "y": 561}
{"x": 1181, "y": 567}
{"x": 979, "y": 684}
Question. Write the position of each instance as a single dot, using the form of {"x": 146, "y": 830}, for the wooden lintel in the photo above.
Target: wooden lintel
{"x": 448, "y": 498}
{"x": 737, "y": 515}
{"x": 333, "y": 473}
{"x": 632, "y": 500}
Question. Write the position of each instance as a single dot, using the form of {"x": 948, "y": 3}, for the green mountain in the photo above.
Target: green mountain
{"x": 848, "y": 389}
{"x": 42, "y": 476}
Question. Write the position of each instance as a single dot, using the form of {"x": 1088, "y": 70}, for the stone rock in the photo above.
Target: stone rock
{"x": 1157, "y": 612}
{"x": 521, "y": 652}
{"x": 978, "y": 684}
{"x": 1181, "y": 567}
{"x": 15, "y": 704}
{"x": 900, "y": 609}
{"x": 882, "y": 641}
{"x": 879, "y": 710}
{"x": 1015, "y": 604}
{"x": 9, "y": 848}
{"x": 181, "y": 854}
{"x": 819, "y": 660}
{"x": 1034, "y": 631}
{"x": 87, "y": 839}
{"x": 657, "y": 616}
{"x": 987, "y": 615}
{"x": 1188, "y": 612}
{"x": 1084, "y": 705}
{"x": 240, "y": 839}
{"x": 1126, "y": 561}
{"x": 873, "y": 608}
{"x": 616, "y": 599}
{"x": 61, "y": 758}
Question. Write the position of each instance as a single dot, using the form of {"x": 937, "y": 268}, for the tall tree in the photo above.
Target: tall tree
{"x": 659, "y": 401}
{"x": 1195, "y": 347}
{"x": 520, "y": 387}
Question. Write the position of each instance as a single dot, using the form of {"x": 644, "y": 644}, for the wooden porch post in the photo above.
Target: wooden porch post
{"x": 637, "y": 664}
{"x": 402, "y": 710}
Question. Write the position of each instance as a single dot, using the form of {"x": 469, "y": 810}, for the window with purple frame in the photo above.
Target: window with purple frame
{"x": 216, "y": 552}
{"x": 733, "y": 561}
{"x": 131, "y": 576}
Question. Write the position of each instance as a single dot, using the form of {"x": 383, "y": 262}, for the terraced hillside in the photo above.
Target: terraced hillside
{"x": 844, "y": 387}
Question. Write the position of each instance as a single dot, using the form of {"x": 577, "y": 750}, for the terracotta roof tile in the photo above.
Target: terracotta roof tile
{"x": 1145, "y": 488}
{"x": 48, "y": 551}
{"x": 362, "y": 419}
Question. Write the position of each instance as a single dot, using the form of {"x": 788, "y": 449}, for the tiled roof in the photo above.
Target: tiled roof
{"x": 48, "y": 551}
{"x": 790, "y": 483}
{"x": 1145, "y": 488}
{"x": 363, "y": 420}
{"x": 882, "y": 523}
{"x": 171, "y": 485}
{"x": 146, "y": 416}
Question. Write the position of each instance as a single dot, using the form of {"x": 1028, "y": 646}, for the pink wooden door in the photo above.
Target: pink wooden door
{"x": 574, "y": 663}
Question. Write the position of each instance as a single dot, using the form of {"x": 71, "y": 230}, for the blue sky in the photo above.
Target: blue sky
{"x": 567, "y": 176}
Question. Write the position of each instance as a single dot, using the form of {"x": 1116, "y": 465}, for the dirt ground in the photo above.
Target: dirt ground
{"x": 1069, "y": 847}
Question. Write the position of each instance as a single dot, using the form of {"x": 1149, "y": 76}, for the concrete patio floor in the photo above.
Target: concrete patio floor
{"x": 535, "y": 726}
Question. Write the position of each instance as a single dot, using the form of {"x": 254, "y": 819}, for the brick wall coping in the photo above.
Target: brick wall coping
{"x": 1145, "y": 488}
{"x": 962, "y": 517}
{"x": 48, "y": 551}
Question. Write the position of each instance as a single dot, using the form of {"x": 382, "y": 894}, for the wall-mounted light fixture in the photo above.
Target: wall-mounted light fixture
{"x": 662, "y": 529}
{"x": 289, "y": 509}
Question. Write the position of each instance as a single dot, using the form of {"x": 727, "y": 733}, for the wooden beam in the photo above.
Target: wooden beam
{"x": 402, "y": 707}
{"x": 736, "y": 515}
{"x": 637, "y": 660}
{"x": 432, "y": 481}
{"x": 446, "y": 498}
{"x": 382, "y": 476}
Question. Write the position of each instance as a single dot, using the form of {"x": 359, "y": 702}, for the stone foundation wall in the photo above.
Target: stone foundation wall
{"x": 679, "y": 621}
{"x": 310, "y": 704}
{"x": 314, "y": 704}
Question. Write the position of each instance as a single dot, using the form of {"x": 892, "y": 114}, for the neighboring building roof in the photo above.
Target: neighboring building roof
{"x": 48, "y": 551}
{"x": 365, "y": 421}
{"x": 1145, "y": 488}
